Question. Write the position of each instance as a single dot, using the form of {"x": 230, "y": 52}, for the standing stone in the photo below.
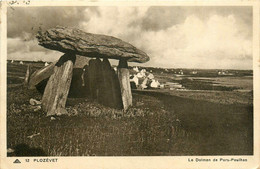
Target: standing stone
{"x": 111, "y": 90}
{"x": 106, "y": 97}
{"x": 95, "y": 78}
{"x": 116, "y": 90}
{"x": 57, "y": 89}
{"x": 99, "y": 79}
{"x": 27, "y": 75}
{"x": 92, "y": 78}
{"x": 124, "y": 81}
{"x": 76, "y": 88}
{"x": 85, "y": 80}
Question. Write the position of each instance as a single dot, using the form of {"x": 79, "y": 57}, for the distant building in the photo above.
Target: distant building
{"x": 155, "y": 84}
{"x": 143, "y": 70}
{"x": 144, "y": 84}
{"x": 181, "y": 72}
{"x": 136, "y": 69}
{"x": 139, "y": 75}
{"x": 150, "y": 76}
{"x": 222, "y": 73}
{"x": 161, "y": 86}
{"x": 194, "y": 72}
{"x": 134, "y": 79}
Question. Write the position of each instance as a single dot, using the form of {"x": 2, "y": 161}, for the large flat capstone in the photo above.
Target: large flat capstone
{"x": 72, "y": 40}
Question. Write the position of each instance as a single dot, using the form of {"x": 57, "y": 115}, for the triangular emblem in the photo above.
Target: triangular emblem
{"x": 17, "y": 161}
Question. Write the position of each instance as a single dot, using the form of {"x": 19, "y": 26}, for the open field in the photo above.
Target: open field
{"x": 212, "y": 115}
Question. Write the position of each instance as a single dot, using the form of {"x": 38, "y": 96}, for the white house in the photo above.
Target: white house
{"x": 136, "y": 69}
{"x": 135, "y": 80}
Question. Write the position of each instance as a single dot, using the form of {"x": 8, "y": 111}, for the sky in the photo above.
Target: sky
{"x": 208, "y": 37}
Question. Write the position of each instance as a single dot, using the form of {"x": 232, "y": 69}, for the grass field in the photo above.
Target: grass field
{"x": 160, "y": 122}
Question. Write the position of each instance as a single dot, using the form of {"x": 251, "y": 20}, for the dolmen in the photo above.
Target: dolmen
{"x": 99, "y": 79}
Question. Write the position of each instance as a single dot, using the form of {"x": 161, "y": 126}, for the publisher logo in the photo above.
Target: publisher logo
{"x": 17, "y": 161}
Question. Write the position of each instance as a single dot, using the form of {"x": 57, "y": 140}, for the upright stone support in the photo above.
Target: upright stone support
{"x": 57, "y": 89}
{"x": 27, "y": 75}
{"x": 95, "y": 78}
{"x": 85, "y": 80}
{"x": 111, "y": 93}
{"x": 124, "y": 81}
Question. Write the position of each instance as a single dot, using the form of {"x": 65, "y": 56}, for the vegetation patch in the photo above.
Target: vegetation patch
{"x": 157, "y": 124}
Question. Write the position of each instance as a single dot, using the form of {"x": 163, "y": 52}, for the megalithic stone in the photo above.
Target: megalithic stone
{"x": 66, "y": 40}
{"x": 70, "y": 40}
{"x": 99, "y": 79}
{"x": 111, "y": 89}
{"x": 95, "y": 78}
{"x": 106, "y": 97}
{"x": 91, "y": 78}
{"x": 27, "y": 75}
{"x": 85, "y": 81}
{"x": 116, "y": 90}
{"x": 40, "y": 75}
{"x": 57, "y": 89}
{"x": 124, "y": 81}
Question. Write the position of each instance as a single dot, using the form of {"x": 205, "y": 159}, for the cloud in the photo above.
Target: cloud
{"x": 158, "y": 18}
{"x": 187, "y": 37}
{"x": 200, "y": 44}
{"x": 115, "y": 21}
{"x": 17, "y": 44}
{"x": 24, "y": 22}
{"x": 189, "y": 40}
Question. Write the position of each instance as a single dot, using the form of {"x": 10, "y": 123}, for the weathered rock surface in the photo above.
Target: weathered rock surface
{"x": 95, "y": 79}
{"x": 124, "y": 81}
{"x": 57, "y": 89}
{"x": 27, "y": 75}
{"x": 42, "y": 74}
{"x": 71, "y": 40}
{"x": 81, "y": 61}
{"x": 40, "y": 77}
{"x": 79, "y": 85}
{"x": 111, "y": 93}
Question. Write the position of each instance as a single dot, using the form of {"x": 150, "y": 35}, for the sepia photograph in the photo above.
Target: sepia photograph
{"x": 180, "y": 91}
{"x": 129, "y": 81}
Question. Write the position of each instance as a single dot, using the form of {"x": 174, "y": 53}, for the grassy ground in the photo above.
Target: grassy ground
{"x": 158, "y": 123}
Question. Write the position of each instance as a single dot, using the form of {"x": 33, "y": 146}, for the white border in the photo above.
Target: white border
{"x": 132, "y": 162}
